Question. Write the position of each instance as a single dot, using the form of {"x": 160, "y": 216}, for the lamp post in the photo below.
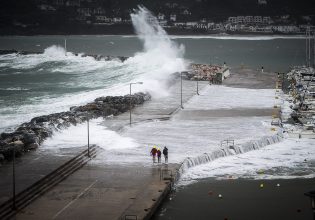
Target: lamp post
{"x": 181, "y": 90}
{"x": 130, "y": 101}
{"x": 88, "y": 134}
{"x": 13, "y": 180}
{"x": 311, "y": 194}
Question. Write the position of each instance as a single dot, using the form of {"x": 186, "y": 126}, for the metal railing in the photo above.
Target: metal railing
{"x": 9, "y": 208}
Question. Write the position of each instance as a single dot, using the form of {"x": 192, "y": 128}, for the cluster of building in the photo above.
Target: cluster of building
{"x": 259, "y": 24}
{"x": 180, "y": 17}
{"x": 302, "y": 99}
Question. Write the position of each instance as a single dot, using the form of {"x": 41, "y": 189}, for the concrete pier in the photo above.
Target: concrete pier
{"x": 102, "y": 190}
{"x": 99, "y": 191}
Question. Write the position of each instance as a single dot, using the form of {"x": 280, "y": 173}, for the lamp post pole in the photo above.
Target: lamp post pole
{"x": 197, "y": 87}
{"x": 311, "y": 195}
{"x": 13, "y": 167}
{"x": 88, "y": 134}
{"x": 181, "y": 90}
{"x": 130, "y": 101}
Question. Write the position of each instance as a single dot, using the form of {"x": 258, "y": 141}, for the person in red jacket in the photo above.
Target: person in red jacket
{"x": 153, "y": 153}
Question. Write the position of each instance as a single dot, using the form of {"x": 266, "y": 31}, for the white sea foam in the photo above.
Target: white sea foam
{"x": 14, "y": 89}
{"x": 76, "y": 136}
{"x": 222, "y": 97}
{"x": 291, "y": 158}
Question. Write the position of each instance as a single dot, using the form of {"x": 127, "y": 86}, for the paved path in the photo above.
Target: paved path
{"x": 98, "y": 191}
{"x": 102, "y": 190}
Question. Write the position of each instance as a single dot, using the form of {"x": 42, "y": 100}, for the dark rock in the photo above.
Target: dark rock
{"x": 32, "y": 146}
{"x": 29, "y": 135}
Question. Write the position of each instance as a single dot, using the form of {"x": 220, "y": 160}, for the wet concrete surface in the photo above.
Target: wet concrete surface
{"x": 109, "y": 192}
{"x": 97, "y": 191}
{"x": 102, "y": 192}
{"x": 252, "y": 79}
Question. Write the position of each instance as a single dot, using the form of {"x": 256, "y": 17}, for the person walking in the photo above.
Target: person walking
{"x": 159, "y": 155}
{"x": 153, "y": 153}
{"x": 165, "y": 153}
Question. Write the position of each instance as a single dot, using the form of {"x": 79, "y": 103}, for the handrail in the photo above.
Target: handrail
{"x": 41, "y": 186}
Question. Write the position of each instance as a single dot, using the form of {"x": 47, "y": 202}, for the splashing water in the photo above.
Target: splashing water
{"x": 56, "y": 80}
{"x": 161, "y": 56}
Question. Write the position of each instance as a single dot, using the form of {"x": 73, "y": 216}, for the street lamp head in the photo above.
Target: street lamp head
{"x": 136, "y": 83}
{"x": 311, "y": 194}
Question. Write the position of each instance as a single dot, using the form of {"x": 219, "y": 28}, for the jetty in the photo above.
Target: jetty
{"x": 95, "y": 187}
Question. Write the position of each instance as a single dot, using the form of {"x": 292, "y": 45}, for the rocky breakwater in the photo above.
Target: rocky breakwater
{"x": 28, "y": 136}
{"x": 203, "y": 72}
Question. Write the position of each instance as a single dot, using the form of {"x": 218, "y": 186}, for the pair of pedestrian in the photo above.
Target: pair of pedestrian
{"x": 156, "y": 152}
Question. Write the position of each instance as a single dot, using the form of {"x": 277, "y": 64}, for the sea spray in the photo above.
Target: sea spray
{"x": 160, "y": 57}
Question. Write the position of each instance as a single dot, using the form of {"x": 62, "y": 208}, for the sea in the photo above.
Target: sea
{"x": 36, "y": 84}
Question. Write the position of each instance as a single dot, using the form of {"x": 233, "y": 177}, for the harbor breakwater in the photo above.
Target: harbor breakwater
{"x": 28, "y": 136}
{"x": 229, "y": 151}
{"x": 97, "y": 57}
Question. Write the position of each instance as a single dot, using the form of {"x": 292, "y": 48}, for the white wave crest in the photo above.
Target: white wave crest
{"x": 160, "y": 57}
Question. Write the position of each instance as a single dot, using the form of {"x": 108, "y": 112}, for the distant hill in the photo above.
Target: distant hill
{"x": 76, "y": 16}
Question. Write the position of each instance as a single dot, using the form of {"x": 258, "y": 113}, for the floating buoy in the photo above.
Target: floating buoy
{"x": 261, "y": 185}
{"x": 278, "y": 185}
{"x": 220, "y": 196}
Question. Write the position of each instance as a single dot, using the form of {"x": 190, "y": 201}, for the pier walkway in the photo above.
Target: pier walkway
{"x": 97, "y": 191}
{"x": 111, "y": 191}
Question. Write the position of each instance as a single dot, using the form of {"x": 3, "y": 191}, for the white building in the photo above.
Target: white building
{"x": 117, "y": 20}
{"x": 286, "y": 28}
{"x": 249, "y": 19}
{"x": 267, "y": 20}
{"x": 240, "y": 19}
{"x": 103, "y": 19}
{"x": 192, "y": 24}
{"x": 173, "y": 17}
{"x": 258, "y": 19}
{"x": 232, "y": 20}
{"x": 99, "y": 11}
{"x": 161, "y": 16}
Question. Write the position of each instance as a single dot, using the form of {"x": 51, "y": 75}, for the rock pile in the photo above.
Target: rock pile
{"x": 30, "y": 135}
{"x": 97, "y": 57}
{"x": 204, "y": 72}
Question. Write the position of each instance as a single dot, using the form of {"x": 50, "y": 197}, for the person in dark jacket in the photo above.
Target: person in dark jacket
{"x": 153, "y": 153}
{"x": 165, "y": 153}
{"x": 159, "y": 155}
